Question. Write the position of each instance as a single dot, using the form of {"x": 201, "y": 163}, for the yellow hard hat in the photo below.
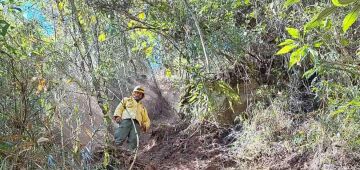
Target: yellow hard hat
{"x": 139, "y": 89}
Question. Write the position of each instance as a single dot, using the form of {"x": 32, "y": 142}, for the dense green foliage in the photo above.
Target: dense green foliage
{"x": 288, "y": 70}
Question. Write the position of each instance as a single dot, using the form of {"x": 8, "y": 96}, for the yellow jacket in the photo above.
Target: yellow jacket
{"x": 130, "y": 108}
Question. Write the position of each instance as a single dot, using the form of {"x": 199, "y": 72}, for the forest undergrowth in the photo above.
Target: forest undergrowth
{"x": 245, "y": 84}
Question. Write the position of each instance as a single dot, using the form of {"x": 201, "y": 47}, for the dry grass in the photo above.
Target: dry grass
{"x": 276, "y": 139}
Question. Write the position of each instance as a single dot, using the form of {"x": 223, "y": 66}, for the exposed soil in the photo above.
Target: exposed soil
{"x": 179, "y": 146}
{"x": 184, "y": 146}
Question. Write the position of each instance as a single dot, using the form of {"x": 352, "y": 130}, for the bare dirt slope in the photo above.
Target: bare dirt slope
{"x": 184, "y": 146}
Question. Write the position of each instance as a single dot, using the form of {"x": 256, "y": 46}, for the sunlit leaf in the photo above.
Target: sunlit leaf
{"x": 290, "y": 2}
{"x": 318, "y": 44}
{"x": 141, "y": 16}
{"x": 350, "y": 18}
{"x": 286, "y": 49}
{"x": 287, "y": 42}
{"x": 311, "y": 25}
{"x": 168, "y": 73}
{"x": 342, "y": 2}
{"x": 193, "y": 97}
{"x": 316, "y": 20}
{"x": 102, "y": 37}
{"x": 131, "y": 23}
{"x": 355, "y": 102}
{"x": 106, "y": 160}
{"x": 293, "y": 32}
{"x": 61, "y": 5}
{"x": 297, "y": 55}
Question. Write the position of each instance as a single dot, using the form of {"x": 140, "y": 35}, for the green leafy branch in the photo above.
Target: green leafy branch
{"x": 296, "y": 45}
{"x": 349, "y": 19}
{"x": 351, "y": 107}
{"x": 291, "y": 45}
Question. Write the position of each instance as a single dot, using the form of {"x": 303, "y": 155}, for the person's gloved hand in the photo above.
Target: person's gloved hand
{"x": 117, "y": 119}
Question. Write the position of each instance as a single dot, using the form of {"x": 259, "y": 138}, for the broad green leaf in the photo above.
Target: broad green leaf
{"x": 4, "y": 26}
{"x": 287, "y": 42}
{"x": 318, "y": 44}
{"x": 290, "y": 2}
{"x": 326, "y": 12}
{"x": 310, "y": 72}
{"x": 342, "y": 2}
{"x": 311, "y": 25}
{"x": 355, "y": 102}
{"x": 102, "y": 37}
{"x": 297, "y": 55}
{"x": 293, "y": 32}
{"x": 315, "y": 21}
{"x": 252, "y": 14}
{"x": 141, "y": 16}
{"x": 247, "y": 2}
{"x": 351, "y": 18}
{"x": 286, "y": 49}
{"x": 314, "y": 56}
{"x": 337, "y": 3}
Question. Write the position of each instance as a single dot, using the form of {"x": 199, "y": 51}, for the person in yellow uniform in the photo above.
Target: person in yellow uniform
{"x": 131, "y": 115}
